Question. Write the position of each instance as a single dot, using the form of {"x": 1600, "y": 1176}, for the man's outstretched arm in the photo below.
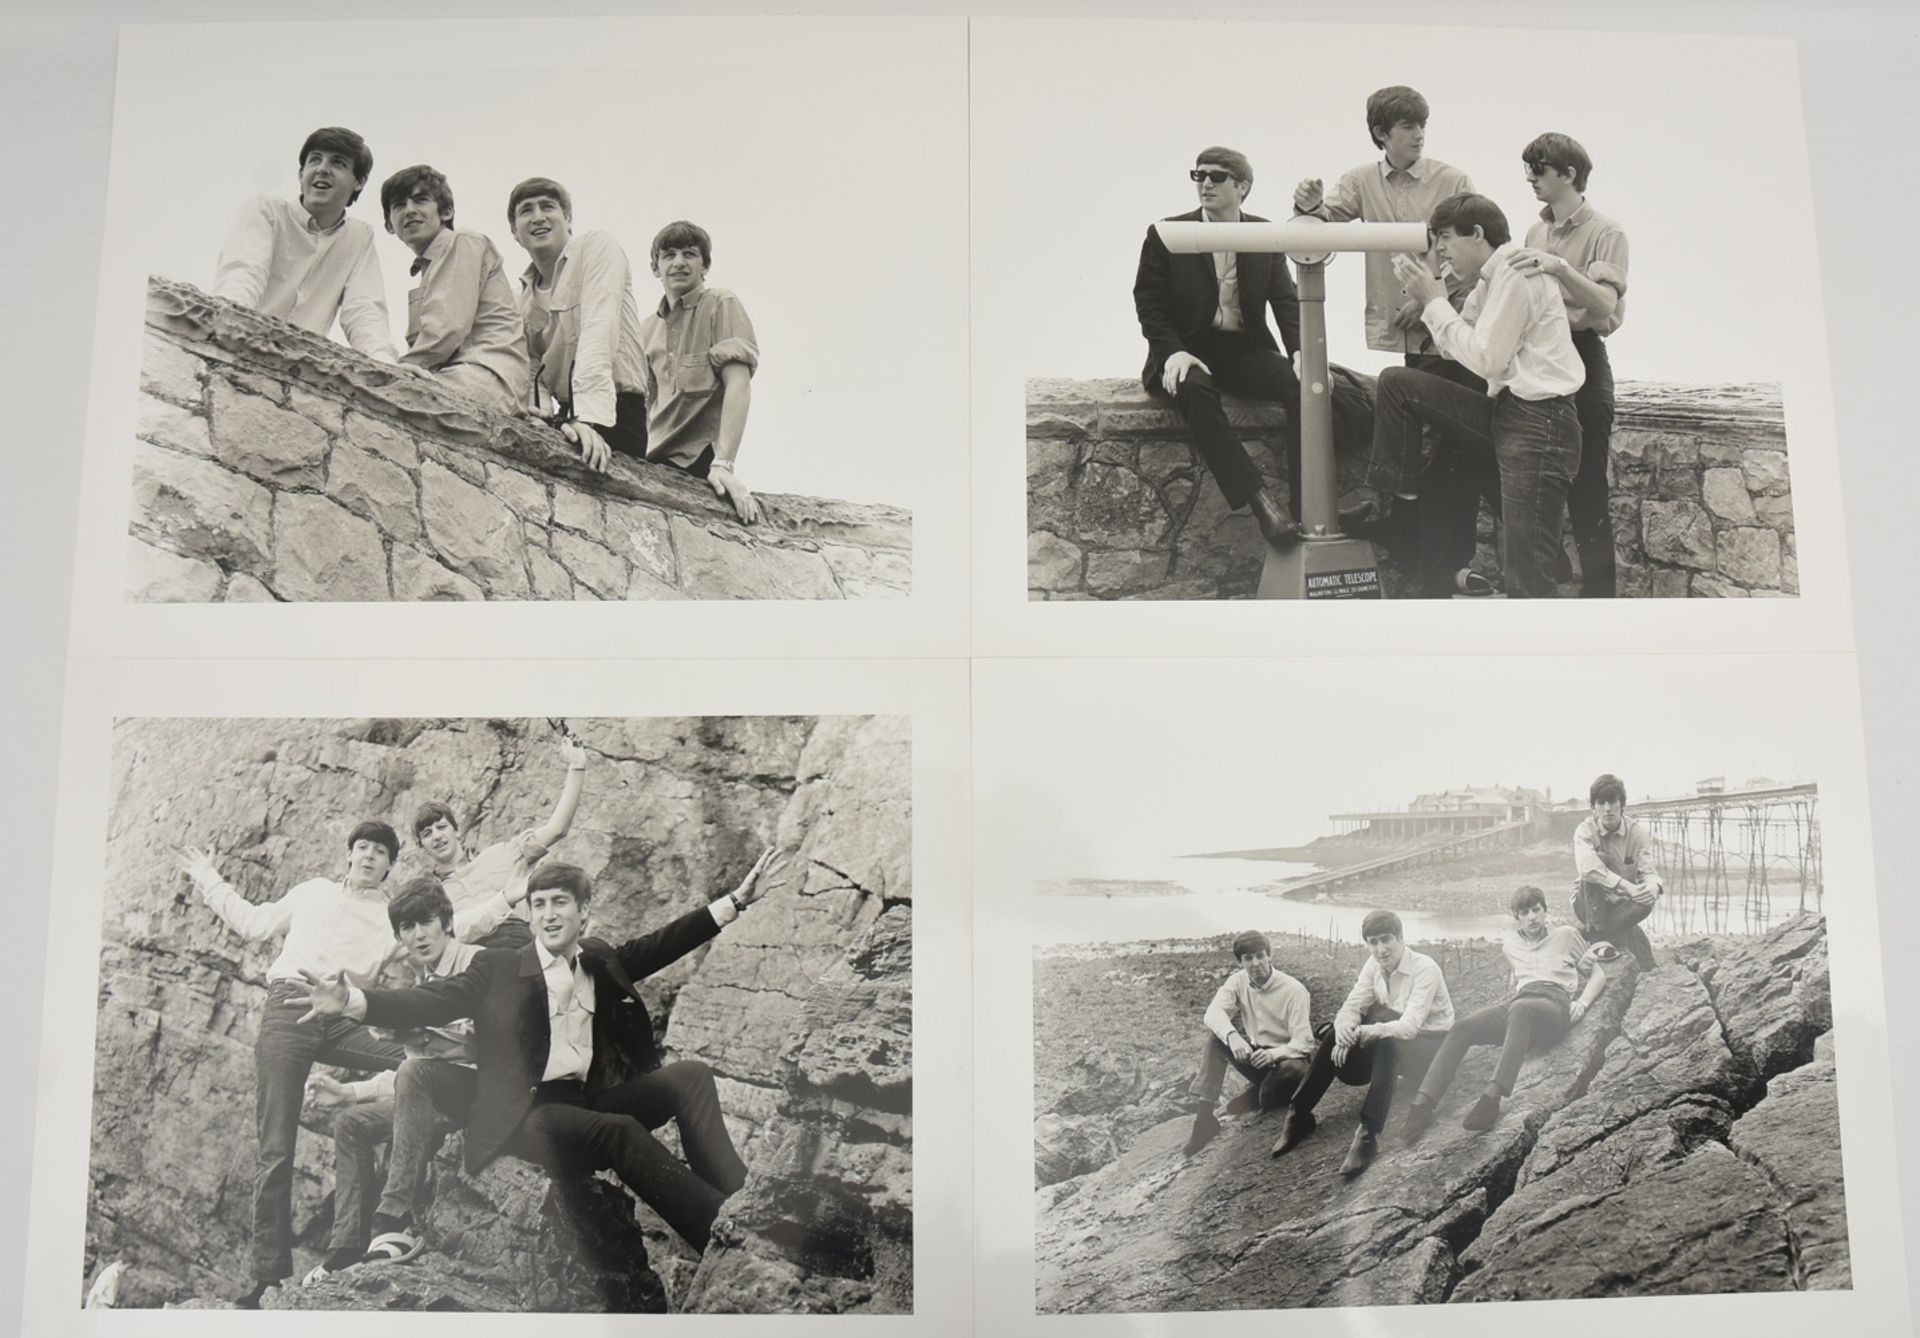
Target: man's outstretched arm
{"x": 250, "y": 920}
{"x": 561, "y": 820}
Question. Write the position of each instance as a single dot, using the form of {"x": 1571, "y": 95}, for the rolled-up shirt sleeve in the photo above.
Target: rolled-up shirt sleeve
{"x": 1609, "y": 262}
{"x": 733, "y": 337}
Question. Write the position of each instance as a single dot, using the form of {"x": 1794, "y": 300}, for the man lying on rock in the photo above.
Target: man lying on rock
{"x": 1259, "y": 1023}
{"x": 1546, "y": 965}
{"x": 1614, "y": 884}
{"x": 413, "y": 1109}
{"x": 568, "y": 1074}
{"x": 1392, "y": 1024}
{"x": 489, "y": 890}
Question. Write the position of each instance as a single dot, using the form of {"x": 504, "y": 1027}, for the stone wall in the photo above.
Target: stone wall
{"x": 673, "y": 812}
{"x": 271, "y": 464}
{"x": 1120, "y": 507}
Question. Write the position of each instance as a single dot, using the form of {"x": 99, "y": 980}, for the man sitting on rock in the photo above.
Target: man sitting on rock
{"x": 1258, "y": 1022}
{"x": 414, "y": 1109}
{"x": 306, "y": 262}
{"x": 463, "y": 327}
{"x": 1614, "y": 886}
{"x": 1546, "y": 965}
{"x": 1392, "y": 1024}
{"x": 581, "y": 1093}
{"x": 489, "y": 890}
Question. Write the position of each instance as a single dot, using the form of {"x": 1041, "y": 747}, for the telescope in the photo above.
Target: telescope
{"x": 1325, "y": 564}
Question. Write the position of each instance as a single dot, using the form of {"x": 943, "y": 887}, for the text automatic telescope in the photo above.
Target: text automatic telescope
{"x": 1325, "y": 564}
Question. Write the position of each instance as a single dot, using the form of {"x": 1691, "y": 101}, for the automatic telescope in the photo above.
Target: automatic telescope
{"x": 1325, "y": 564}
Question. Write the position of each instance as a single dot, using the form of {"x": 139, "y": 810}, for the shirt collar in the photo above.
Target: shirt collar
{"x": 1418, "y": 171}
{"x": 445, "y": 965}
{"x": 689, "y": 301}
{"x": 1581, "y": 213}
{"x": 442, "y": 243}
{"x": 530, "y": 278}
{"x": 547, "y": 959}
{"x": 313, "y": 224}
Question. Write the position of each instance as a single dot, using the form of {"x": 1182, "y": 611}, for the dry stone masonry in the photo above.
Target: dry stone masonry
{"x": 1120, "y": 507}
{"x": 272, "y": 464}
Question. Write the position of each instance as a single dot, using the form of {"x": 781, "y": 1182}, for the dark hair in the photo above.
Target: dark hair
{"x": 1231, "y": 159}
{"x": 421, "y": 900}
{"x": 534, "y": 186}
{"x": 1389, "y": 107}
{"x": 567, "y": 877}
{"x": 376, "y": 831}
{"x": 1382, "y": 922}
{"x": 399, "y": 188}
{"x": 1525, "y": 899}
{"x": 1562, "y": 151}
{"x": 1464, "y": 212}
{"x": 339, "y": 139}
{"x": 681, "y": 233}
{"x": 1605, "y": 787}
{"x": 1250, "y": 942}
{"x": 429, "y": 813}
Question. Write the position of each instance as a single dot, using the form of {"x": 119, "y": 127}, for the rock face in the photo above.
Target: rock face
{"x": 1119, "y": 506}
{"x": 673, "y": 812}
{"x": 272, "y": 463}
{"x": 1683, "y": 1138}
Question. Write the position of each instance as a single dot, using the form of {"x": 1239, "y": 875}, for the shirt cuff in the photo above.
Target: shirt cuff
{"x": 724, "y": 912}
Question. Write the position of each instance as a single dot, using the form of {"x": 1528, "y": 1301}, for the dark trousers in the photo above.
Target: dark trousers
{"x": 627, "y": 433}
{"x": 1516, "y": 1026}
{"x": 1272, "y": 1085}
{"x": 1535, "y": 444}
{"x": 573, "y": 1133}
{"x": 1606, "y": 917}
{"x": 284, "y": 1053}
{"x": 1376, "y": 1065}
{"x": 1587, "y": 502}
{"x": 1238, "y": 365}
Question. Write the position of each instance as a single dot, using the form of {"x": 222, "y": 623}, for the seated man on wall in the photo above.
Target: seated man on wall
{"x": 306, "y": 262}
{"x": 1205, "y": 321}
{"x": 700, "y": 356}
{"x": 581, "y": 1089}
{"x": 1391, "y": 1026}
{"x": 583, "y": 327}
{"x": 1615, "y": 886}
{"x": 1259, "y": 1023}
{"x": 462, "y": 325}
{"x": 413, "y": 1109}
{"x": 1546, "y": 965}
{"x": 488, "y": 891}
{"x": 333, "y": 926}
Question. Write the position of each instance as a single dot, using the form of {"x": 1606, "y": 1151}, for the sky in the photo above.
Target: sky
{"x": 1088, "y": 133}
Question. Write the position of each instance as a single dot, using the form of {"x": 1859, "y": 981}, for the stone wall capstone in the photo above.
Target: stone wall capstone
{"x": 273, "y": 464}
{"x": 1119, "y": 505}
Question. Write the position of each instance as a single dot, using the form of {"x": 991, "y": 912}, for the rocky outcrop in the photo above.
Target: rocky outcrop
{"x": 273, "y": 464}
{"x": 1120, "y": 507}
{"x": 1683, "y": 1138}
{"x": 673, "y": 812}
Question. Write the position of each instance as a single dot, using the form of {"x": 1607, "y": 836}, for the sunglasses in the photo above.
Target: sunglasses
{"x": 1535, "y": 169}
{"x": 1215, "y": 176}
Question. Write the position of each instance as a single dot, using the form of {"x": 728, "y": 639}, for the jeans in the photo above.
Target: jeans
{"x": 430, "y": 1100}
{"x": 1587, "y": 502}
{"x": 1377, "y": 1065}
{"x": 1516, "y": 1026}
{"x": 1535, "y": 444}
{"x": 284, "y": 1053}
{"x": 1455, "y": 484}
{"x": 1272, "y": 1085}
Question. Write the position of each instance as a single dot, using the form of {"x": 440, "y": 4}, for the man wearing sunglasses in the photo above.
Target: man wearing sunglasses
{"x": 1205, "y": 321}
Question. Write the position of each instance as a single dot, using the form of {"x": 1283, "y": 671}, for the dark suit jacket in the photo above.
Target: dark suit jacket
{"x": 505, "y": 994}
{"x": 1176, "y": 298}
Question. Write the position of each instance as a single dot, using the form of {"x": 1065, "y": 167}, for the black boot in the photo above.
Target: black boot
{"x": 1277, "y": 527}
{"x": 1299, "y": 1124}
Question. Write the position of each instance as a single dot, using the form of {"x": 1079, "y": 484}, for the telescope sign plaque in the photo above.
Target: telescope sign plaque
{"x": 1355, "y": 583}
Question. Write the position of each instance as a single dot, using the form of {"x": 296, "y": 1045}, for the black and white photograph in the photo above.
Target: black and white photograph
{"x": 1419, "y": 318}
{"x": 1540, "y": 998}
{"x": 577, "y": 1015}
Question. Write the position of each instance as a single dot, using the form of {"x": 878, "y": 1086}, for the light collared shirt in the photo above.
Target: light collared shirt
{"x": 1596, "y": 246}
{"x": 452, "y": 1042}
{"x": 686, "y": 343}
{"x": 1512, "y": 331}
{"x": 1415, "y": 989}
{"x": 1275, "y": 1014}
{"x": 462, "y": 313}
{"x": 492, "y": 886}
{"x": 1555, "y": 957}
{"x": 329, "y": 927}
{"x": 1612, "y": 858}
{"x": 1226, "y": 268}
{"x": 584, "y": 328}
{"x": 1382, "y": 193}
{"x": 280, "y": 262}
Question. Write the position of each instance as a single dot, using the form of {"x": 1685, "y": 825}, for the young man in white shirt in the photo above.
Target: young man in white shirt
{"x": 1513, "y": 331}
{"x": 333, "y": 927}
{"x": 305, "y": 261}
{"x": 1391, "y": 1026}
{"x": 1258, "y": 1022}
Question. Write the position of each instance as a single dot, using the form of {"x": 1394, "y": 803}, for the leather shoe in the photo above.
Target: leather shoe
{"x": 1419, "y": 1120}
{"x": 1276, "y": 526}
{"x": 1205, "y": 1125}
{"x": 1299, "y": 1124}
{"x": 1360, "y": 1155}
{"x": 1484, "y": 1115}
